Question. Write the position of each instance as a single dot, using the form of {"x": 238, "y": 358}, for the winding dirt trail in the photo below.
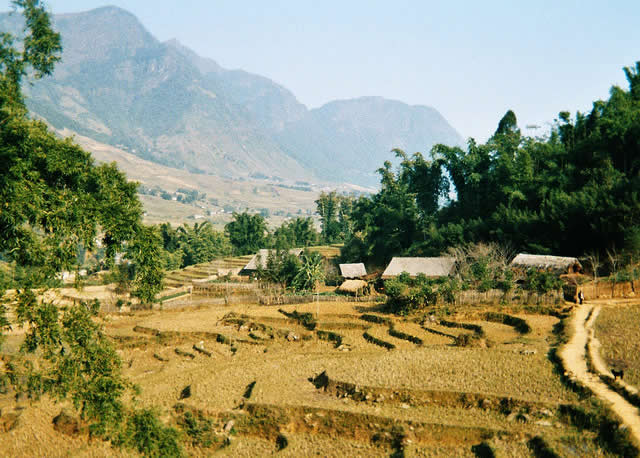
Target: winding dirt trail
{"x": 573, "y": 355}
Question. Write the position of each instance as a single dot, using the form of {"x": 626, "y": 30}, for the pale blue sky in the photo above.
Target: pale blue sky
{"x": 471, "y": 60}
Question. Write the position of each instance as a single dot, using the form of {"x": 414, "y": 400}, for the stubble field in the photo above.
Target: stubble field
{"x": 268, "y": 373}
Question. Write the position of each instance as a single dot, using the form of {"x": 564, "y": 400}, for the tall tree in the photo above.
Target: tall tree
{"x": 53, "y": 198}
{"x": 573, "y": 192}
{"x": 247, "y": 233}
{"x": 298, "y": 232}
{"x": 200, "y": 243}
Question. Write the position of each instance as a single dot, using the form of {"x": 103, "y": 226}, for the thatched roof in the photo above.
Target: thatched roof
{"x": 353, "y": 270}
{"x": 539, "y": 261}
{"x": 431, "y": 267}
{"x": 352, "y": 286}
{"x": 264, "y": 255}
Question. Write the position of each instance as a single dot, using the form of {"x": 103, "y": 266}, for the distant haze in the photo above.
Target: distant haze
{"x": 118, "y": 85}
{"x": 470, "y": 60}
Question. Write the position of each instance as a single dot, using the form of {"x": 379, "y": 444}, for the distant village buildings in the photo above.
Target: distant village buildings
{"x": 351, "y": 271}
{"x": 557, "y": 264}
{"x": 430, "y": 267}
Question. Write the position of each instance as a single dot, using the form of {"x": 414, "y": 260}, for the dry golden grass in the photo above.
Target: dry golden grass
{"x": 618, "y": 331}
{"x": 281, "y": 370}
{"x": 35, "y": 436}
{"x": 301, "y": 445}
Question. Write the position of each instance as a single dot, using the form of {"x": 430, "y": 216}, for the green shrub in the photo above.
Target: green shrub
{"x": 542, "y": 281}
{"x": 198, "y": 428}
{"x": 330, "y": 336}
{"x": 540, "y": 448}
{"x": 406, "y": 294}
{"x": 145, "y": 433}
{"x": 477, "y": 329}
{"x": 376, "y": 319}
{"x": 466, "y": 340}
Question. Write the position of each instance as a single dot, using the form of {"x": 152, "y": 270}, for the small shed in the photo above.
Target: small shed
{"x": 355, "y": 287}
{"x": 349, "y": 271}
{"x": 430, "y": 267}
{"x": 263, "y": 255}
{"x": 557, "y": 264}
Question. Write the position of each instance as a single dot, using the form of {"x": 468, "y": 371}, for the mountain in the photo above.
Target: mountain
{"x": 119, "y": 85}
{"x": 350, "y": 139}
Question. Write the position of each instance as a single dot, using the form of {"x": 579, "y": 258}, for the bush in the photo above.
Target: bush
{"x": 477, "y": 329}
{"x": 282, "y": 268}
{"x": 542, "y": 281}
{"x": 198, "y": 428}
{"x": 149, "y": 436}
{"x": 467, "y": 340}
{"x": 406, "y": 294}
{"x": 404, "y": 336}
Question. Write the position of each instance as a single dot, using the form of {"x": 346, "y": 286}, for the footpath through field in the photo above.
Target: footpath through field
{"x": 574, "y": 357}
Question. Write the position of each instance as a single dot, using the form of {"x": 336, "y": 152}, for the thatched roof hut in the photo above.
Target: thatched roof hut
{"x": 353, "y": 270}
{"x": 353, "y": 286}
{"x": 252, "y": 265}
{"x": 559, "y": 264}
{"x": 430, "y": 267}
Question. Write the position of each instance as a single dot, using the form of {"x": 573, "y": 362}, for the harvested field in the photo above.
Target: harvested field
{"x": 618, "y": 331}
{"x": 423, "y": 397}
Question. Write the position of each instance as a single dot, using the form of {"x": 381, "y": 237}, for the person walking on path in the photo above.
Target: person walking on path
{"x": 581, "y": 297}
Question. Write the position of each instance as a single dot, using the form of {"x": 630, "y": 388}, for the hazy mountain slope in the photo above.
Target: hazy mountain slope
{"x": 350, "y": 139}
{"x": 121, "y": 86}
{"x": 270, "y": 105}
{"x": 118, "y": 85}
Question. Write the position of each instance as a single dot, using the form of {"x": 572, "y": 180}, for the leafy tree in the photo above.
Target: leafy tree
{"x": 573, "y": 192}
{"x": 311, "y": 272}
{"x": 335, "y": 216}
{"x": 407, "y": 294}
{"x": 53, "y": 198}
{"x": 247, "y": 233}
{"x": 144, "y": 251}
{"x": 201, "y": 243}
{"x": 281, "y": 267}
{"x": 542, "y": 281}
{"x": 77, "y": 361}
{"x": 298, "y": 232}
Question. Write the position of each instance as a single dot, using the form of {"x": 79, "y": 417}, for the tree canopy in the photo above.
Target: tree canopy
{"x": 53, "y": 196}
{"x": 54, "y": 200}
{"x": 247, "y": 233}
{"x": 572, "y": 192}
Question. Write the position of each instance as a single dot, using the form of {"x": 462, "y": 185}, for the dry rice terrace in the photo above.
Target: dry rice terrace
{"x": 335, "y": 379}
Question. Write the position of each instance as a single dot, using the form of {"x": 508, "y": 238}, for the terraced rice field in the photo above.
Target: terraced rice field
{"x": 309, "y": 374}
{"x": 618, "y": 331}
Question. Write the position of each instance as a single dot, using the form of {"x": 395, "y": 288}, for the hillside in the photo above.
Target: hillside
{"x": 350, "y": 139}
{"x": 223, "y": 195}
{"x": 119, "y": 85}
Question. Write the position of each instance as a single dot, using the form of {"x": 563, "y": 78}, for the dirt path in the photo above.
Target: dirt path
{"x": 573, "y": 355}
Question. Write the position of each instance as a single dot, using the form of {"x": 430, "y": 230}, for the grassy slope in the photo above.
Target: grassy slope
{"x": 618, "y": 332}
{"x": 239, "y": 194}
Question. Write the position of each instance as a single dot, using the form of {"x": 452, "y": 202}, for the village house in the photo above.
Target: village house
{"x": 351, "y": 271}
{"x": 430, "y": 267}
{"x": 556, "y": 264}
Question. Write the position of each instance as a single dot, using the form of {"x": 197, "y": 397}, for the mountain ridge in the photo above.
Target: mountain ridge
{"x": 163, "y": 102}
